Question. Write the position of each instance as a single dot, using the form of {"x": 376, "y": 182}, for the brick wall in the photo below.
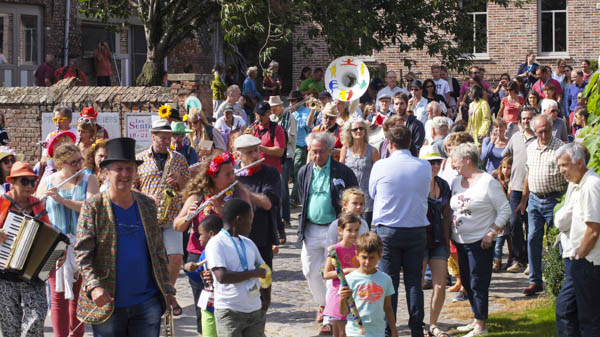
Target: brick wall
{"x": 23, "y": 106}
{"x": 511, "y": 33}
{"x": 190, "y": 51}
{"x": 319, "y": 58}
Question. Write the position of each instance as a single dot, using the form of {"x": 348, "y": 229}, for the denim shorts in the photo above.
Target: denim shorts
{"x": 440, "y": 252}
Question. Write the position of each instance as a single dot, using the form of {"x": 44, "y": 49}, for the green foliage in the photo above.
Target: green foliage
{"x": 554, "y": 270}
{"x": 594, "y": 65}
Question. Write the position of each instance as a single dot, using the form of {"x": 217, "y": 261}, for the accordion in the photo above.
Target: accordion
{"x": 32, "y": 248}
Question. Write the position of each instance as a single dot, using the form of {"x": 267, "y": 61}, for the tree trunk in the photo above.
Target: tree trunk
{"x": 153, "y": 70}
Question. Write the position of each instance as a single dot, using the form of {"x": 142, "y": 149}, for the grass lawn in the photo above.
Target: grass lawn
{"x": 524, "y": 318}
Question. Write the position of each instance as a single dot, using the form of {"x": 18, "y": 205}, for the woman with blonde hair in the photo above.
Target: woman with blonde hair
{"x": 63, "y": 205}
{"x": 205, "y": 139}
{"x": 214, "y": 175}
{"x": 359, "y": 156}
{"x": 479, "y": 115}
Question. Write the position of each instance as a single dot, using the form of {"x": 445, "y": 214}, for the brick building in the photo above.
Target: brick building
{"x": 554, "y": 29}
{"x": 29, "y": 29}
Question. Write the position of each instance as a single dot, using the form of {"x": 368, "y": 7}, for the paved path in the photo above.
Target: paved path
{"x": 292, "y": 311}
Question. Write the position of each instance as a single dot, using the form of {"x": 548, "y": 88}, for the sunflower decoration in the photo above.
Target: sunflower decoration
{"x": 185, "y": 118}
{"x": 164, "y": 111}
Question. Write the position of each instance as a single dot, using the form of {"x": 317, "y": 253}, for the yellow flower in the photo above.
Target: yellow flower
{"x": 185, "y": 118}
{"x": 164, "y": 111}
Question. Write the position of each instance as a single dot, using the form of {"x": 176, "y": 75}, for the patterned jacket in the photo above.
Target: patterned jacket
{"x": 96, "y": 252}
{"x": 149, "y": 177}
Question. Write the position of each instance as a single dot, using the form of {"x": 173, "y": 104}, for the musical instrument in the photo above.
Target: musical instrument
{"x": 205, "y": 203}
{"x": 32, "y": 248}
{"x": 347, "y": 78}
{"x": 297, "y": 105}
{"x": 250, "y": 130}
{"x": 242, "y": 169}
{"x": 169, "y": 324}
{"x": 335, "y": 261}
{"x": 166, "y": 195}
{"x": 43, "y": 199}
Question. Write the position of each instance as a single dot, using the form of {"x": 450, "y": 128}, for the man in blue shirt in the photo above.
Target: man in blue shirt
{"x": 399, "y": 186}
{"x": 301, "y": 114}
{"x": 573, "y": 90}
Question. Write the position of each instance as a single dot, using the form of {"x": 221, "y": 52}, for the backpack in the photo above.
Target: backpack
{"x": 272, "y": 129}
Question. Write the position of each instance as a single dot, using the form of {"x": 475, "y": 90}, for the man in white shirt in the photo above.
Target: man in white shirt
{"x": 577, "y": 309}
{"x": 391, "y": 87}
{"x": 441, "y": 86}
{"x": 233, "y": 96}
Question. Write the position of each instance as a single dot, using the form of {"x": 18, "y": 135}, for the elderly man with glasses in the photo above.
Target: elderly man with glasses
{"x": 559, "y": 127}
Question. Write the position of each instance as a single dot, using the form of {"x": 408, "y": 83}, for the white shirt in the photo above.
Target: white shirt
{"x": 585, "y": 209}
{"x": 442, "y": 87}
{"x": 429, "y": 128}
{"x": 237, "y": 110}
{"x": 238, "y": 123}
{"x": 420, "y": 110}
{"x": 447, "y": 172}
{"x": 562, "y": 220}
{"x": 476, "y": 208}
{"x": 390, "y": 92}
{"x": 243, "y": 296}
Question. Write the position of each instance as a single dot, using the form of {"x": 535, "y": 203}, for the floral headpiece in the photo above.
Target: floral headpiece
{"x": 164, "y": 111}
{"x": 216, "y": 163}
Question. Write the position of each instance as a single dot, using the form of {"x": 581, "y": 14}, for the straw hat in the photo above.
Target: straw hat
{"x": 428, "y": 153}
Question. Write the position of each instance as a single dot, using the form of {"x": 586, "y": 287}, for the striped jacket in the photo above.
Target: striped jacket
{"x": 96, "y": 252}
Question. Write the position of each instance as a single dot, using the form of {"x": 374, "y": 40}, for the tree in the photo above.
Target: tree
{"x": 351, "y": 27}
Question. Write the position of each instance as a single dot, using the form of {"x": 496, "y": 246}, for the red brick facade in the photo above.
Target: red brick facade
{"x": 511, "y": 33}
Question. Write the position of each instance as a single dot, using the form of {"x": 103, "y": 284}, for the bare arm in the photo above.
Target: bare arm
{"x": 329, "y": 272}
{"x": 389, "y": 315}
{"x": 190, "y": 205}
{"x": 589, "y": 240}
{"x": 274, "y": 151}
{"x": 523, "y": 204}
{"x": 225, "y": 276}
{"x": 375, "y": 156}
{"x": 343, "y": 155}
{"x": 345, "y": 293}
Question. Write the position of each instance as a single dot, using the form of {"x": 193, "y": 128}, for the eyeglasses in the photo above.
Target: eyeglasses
{"x": 7, "y": 160}
{"x": 554, "y": 110}
{"x": 59, "y": 119}
{"x": 27, "y": 182}
{"x": 360, "y": 128}
{"x": 74, "y": 162}
{"x": 85, "y": 120}
{"x": 429, "y": 87}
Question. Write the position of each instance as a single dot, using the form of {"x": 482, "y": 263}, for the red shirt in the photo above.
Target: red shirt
{"x": 70, "y": 73}
{"x": 511, "y": 113}
{"x": 265, "y": 136}
{"x": 43, "y": 72}
{"x": 102, "y": 62}
{"x": 539, "y": 87}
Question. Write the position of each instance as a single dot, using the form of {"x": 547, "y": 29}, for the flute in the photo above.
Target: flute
{"x": 204, "y": 204}
{"x": 241, "y": 169}
{"x": 335, "y": 261}
{"x": 43, "y": 199}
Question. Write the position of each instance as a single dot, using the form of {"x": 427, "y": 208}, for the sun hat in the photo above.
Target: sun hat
{"x": 6, "y": 151}
{"x": 179, "y": 128}
{"x": 21, "y": 169}
{"x": 54, "y": 139}
{"x": 88, "y": 112}
{"x": 330, "y": 110}
{"x": 275, "y": 100}
{"x": 428, "y": 153}
{"x": 161, "y": 125}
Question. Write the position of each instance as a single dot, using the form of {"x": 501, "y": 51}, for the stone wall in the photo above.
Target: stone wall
{"x": 23, "y": 106}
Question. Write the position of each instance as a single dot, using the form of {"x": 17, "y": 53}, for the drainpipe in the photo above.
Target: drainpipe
{"x": 67, "y": 25}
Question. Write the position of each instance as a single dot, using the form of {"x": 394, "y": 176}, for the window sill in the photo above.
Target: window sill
{"x": 553, "y": 56}
{"x": 479, "y": 57}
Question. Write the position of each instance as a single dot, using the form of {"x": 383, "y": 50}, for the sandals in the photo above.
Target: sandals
{"x": 437, "y": 332}
{"x": 177, "y": 310}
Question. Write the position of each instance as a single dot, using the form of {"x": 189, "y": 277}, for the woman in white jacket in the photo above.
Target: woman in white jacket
{"x": 480, "y": 211}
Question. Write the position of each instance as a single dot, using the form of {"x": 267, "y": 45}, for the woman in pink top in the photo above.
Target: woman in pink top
{"x": 348, "y": 227}
{"x": 511, "y": 106}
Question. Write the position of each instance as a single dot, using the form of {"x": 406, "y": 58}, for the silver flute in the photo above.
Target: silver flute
{"x": 204, "y": 204}
{"x": 43, "y": 199}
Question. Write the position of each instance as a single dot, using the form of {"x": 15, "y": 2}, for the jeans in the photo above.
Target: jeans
{"x": 286, "y": 170}
{"x": 475, "y": 265}
{"x": 140, "y": 320}
{"x": 299, "y": 160}
{"x": 586, "y": 277}
{"x": 567, "y": 323}
{"x": 519, "y": 250}
{"x": 405, "y": 248}
{"x": 498, "y": 247}
{"x": 541, "y": 211}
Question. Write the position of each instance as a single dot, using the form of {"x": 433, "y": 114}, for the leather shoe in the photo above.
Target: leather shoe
{"x": 533, "y": 289}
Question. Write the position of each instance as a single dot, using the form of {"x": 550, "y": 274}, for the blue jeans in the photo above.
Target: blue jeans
{"x": 541, "y": 212}
{"x": 567, "y": 323}
{"x": 286, "y": 170}
{"x": 517, "y": 237}
{"x": 586, "y": 277}
{"x": 499, "y": 245}
{"x": 475, "y": 265}
{"x": 140, "y": 320}
{"x": 405, "y": 248}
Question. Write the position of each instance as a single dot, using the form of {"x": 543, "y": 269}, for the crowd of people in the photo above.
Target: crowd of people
{"x": 428, "y": 180}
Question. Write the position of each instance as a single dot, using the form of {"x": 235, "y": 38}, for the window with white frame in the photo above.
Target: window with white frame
{"x": 553, "y": 28}
{"x": 475, "y": 37}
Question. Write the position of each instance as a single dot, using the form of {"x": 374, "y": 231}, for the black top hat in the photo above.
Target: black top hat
{"x": 120, "y": 149}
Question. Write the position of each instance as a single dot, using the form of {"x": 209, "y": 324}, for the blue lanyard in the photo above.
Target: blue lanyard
{"x": 243, "y": 259}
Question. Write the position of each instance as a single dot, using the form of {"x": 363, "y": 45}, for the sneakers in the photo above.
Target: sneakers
{"x": 460, "y": 297}
{"x": 516, "y": 267}
{"x": 478, "y": 333}
{"x": 325, "y": 330}
{"x": 497, "y": 266}
{"x": 526, "y": 272}
{"x": 465, "y": 328}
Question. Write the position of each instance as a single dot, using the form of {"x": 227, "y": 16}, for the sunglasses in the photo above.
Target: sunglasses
{"x": 7, "y": 160}
{"x": 429, "y": 86}
{"x": 74, "y": 162}
{"x": 59, "y": 119}
{"x": 85, "y": 120}
{"x": 360, "y": 128}
{"x": 554, "y": 110}
{"x": 27, "y": 182}
{"x": 435, "y": 162}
